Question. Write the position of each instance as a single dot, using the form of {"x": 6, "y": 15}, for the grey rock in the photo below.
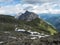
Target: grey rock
{"x": 28, "y": 16}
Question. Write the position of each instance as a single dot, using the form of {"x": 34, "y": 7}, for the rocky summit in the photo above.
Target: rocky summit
{"x": 28, "y": 16}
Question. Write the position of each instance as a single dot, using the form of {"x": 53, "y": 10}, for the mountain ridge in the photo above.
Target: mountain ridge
{"x": 36, "y": 24}
{"x": 54, "y": 19}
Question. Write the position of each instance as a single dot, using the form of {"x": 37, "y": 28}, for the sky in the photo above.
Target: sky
{"x": 13, "y": 7}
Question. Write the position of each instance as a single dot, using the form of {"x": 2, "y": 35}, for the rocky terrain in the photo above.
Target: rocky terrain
{"x": 9, "y": 23}
{"x": 28, "y": 16}
{"x": 17, "y": 38}
{"x": 9, "y": 34}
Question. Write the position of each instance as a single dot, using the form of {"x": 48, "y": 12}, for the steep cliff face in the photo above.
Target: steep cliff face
{"x": 28, "y": 16}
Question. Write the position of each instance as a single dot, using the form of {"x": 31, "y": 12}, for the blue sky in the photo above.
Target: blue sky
{"x": 13, "y": 2}
{"x": 36, "y": 6}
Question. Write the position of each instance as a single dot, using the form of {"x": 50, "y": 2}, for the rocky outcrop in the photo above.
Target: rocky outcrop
{"x": 17, "y": 38}
{"x": 28, "y": 16}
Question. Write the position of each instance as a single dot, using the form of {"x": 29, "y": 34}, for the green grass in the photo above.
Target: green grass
{"x": 8, "y": 23}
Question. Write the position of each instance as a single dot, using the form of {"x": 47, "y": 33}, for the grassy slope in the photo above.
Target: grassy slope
{"x": 8, "y": 23}
{"x": 42, "y": 26}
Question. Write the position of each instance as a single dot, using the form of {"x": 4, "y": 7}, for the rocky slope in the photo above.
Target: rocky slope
{"x": 30, "y": 22}
{"x": 17, "y": 38}
{"x": 28, "y": 16}
{"x": 36, "y": 23}
{"x": 8, "y": 35}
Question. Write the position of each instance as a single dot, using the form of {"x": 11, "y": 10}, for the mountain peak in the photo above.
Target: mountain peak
{"x": 28, "y": 16}
{"x": 27, "y": 11}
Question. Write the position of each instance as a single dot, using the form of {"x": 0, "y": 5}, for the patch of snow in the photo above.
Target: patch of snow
{"x": 33, "y": 38}
{"x": 21, "y": 30}
{"x": 33, "y": 32}
{"x": 12, "y": 37}
{"x": 1, "y": 42}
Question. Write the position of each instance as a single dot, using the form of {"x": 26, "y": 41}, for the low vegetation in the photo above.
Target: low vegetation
{"x": 9, "y": 23}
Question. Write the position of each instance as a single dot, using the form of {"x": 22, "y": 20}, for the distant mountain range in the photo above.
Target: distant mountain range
{"x": 27, "y": 21}
{"x": 54, "y": 19}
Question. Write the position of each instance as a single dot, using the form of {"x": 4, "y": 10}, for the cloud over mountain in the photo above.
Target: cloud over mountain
{"x": 37, "y": 6}
{"x": 40, "y": 1}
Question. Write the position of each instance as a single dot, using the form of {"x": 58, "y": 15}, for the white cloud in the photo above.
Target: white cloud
{"x": 54, "y": 11}
{"x": 44, "y": 8}
{"x": 38, "y": 9}
{"x": 40, "y": 1}
{"x": 10, "y": 9}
